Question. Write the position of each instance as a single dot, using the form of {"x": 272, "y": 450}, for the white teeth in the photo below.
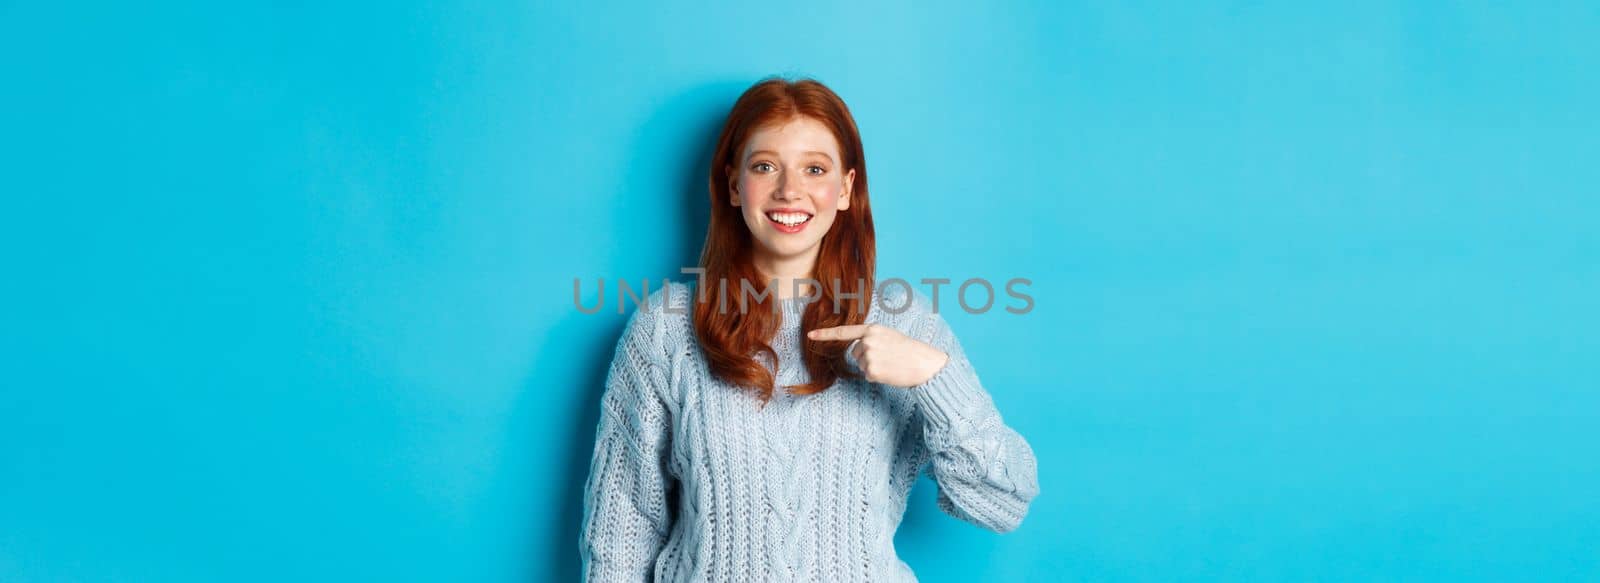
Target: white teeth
{"x": 790, "y": 219}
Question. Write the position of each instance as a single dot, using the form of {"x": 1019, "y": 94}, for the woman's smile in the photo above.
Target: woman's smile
{"x": 788, "y": 221}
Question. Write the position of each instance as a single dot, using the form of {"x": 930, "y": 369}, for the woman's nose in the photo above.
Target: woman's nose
{"x": 784, "y": 192}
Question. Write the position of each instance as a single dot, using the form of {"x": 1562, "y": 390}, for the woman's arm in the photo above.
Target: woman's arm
{"x": 626, "y": 507}
{"x": 986, "y": 472}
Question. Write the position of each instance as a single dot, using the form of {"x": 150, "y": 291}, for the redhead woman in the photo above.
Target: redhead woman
{"x": 775, "y": 435}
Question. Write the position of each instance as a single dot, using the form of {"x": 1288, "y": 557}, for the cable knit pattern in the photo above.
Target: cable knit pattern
{"x": 692, "y": 480}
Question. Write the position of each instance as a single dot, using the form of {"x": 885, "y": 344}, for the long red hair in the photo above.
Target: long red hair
{"x": 732, "y": 338}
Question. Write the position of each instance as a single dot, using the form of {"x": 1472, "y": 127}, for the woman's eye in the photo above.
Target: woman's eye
{"x": 761, "y": 167}
{"x": 819, "y": 171}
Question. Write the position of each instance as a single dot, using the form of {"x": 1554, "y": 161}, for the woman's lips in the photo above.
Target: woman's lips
{"x": 788, "y": 228}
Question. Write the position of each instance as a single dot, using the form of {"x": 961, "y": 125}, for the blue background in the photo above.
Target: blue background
{"x": 289, "y": 286}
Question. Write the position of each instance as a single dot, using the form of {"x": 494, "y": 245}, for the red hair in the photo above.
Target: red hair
{"x": 731, "y": 339}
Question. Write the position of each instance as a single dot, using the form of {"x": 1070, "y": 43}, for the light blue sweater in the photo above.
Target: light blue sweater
{"x": 692, "y": 480}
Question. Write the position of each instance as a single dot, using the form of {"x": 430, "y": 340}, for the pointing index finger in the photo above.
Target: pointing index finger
{"x": 850, "y": 332}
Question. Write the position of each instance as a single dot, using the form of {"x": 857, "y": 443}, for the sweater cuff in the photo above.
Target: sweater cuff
{"x": 953, "y": 396}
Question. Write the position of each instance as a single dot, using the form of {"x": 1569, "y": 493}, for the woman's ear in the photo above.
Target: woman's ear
{"x": 849, "y": 184}
{"x": 733, "y": 185}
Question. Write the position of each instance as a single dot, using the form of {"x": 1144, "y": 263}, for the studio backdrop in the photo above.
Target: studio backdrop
{"x": 289, "y": 287}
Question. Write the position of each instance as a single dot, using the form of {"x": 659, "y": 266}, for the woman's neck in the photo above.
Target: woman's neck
{"x": 787, "y": 270}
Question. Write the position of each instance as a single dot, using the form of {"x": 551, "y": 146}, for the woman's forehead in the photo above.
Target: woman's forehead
{"x": 797, "y": 137}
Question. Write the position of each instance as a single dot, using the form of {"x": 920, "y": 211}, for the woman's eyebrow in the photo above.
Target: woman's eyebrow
{"x": 772, "y": 153}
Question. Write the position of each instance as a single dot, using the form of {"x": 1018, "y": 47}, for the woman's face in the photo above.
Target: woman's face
{"x": 790, "y": 186}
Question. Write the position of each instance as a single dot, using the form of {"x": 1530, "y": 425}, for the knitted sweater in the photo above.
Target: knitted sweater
{"x": 692, "y": 480}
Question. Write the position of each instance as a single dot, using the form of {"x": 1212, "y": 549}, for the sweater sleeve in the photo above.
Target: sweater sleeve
{"x": 986, "y": 472}
{"x": 627, "y": 505}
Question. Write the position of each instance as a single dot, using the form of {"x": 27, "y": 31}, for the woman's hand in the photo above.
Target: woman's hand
{"x": 886, "y": 356}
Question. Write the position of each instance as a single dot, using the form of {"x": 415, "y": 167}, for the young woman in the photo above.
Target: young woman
{"x": 776, "y": 438}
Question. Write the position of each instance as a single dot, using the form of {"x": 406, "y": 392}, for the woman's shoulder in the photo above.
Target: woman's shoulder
{"x": 662, "y": 319}
{"x": 666, "y": 302}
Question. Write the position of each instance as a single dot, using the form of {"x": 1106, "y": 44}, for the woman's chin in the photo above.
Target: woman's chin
{"x": 785, "y": 247}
